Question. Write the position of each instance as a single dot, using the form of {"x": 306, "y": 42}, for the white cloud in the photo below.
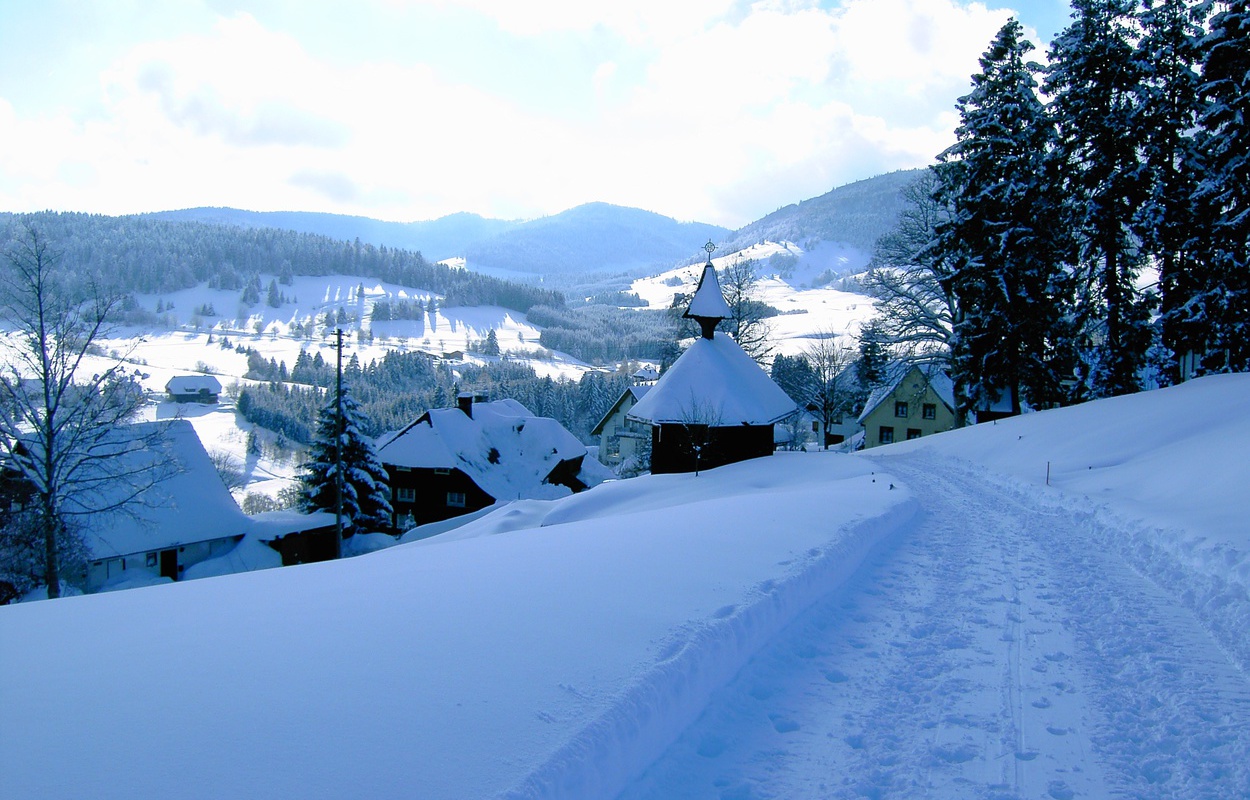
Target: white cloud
{"x": 732, "y": 111}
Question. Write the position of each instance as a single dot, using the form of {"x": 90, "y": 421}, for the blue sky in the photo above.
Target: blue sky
{"x": 713, "y": 110}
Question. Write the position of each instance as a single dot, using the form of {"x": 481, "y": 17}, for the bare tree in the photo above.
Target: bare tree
{"x": 61, "y": 427}
{"x": 916, "y": 305}
{"x": 749, "y": 324}
{"x": 229, "y": 469}
{"x": 828, "y": 356}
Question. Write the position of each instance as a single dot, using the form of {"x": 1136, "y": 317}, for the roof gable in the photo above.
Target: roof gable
{"x": 935, "y": 378}
{"x": 714, "y": 382}
{"x": 631, "y": 395}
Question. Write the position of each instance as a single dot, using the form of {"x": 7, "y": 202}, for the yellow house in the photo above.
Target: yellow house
{"x": 919, "y": 403}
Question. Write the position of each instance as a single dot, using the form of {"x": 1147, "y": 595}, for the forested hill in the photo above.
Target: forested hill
{"x": 594, "y": 237}
{"x": 856, "y": 214}
{"x": 144, "y": 255}
{"x": 591, "y": 238}
{"x": 437, "y": 239}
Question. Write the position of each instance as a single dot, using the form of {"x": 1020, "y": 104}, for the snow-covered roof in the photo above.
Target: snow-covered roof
{"x": 633, "y": 394}
{"x": 716, "y": 383}
{"x": 708, "y": 300}
{"x": 270, "y": 525}
{"x": 942, "y": 385}
{"x": 646, "y": 374}
{"x": 506, "y": 450}
{"x": 193, "y": 384}
{"x": 190, "y": 505}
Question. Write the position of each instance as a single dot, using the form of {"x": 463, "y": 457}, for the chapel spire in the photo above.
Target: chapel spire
{"x": 707, "y": 306}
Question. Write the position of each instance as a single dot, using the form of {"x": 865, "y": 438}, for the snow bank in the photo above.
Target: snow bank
{"x": 551, "y": 660}
{"x": 1164, "y": 474}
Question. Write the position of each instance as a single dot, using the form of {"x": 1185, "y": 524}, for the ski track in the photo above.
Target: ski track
{"x": 994, "y": 650}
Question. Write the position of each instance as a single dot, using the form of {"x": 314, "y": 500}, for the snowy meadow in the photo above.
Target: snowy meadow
{"x": 930, "y": 618}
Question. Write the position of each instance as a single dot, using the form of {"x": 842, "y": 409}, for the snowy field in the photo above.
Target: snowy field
{"x": 928, "y": 619}
{"x": 805, "y": 313}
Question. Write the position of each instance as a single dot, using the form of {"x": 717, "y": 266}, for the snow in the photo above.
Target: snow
{"x": 563, "y": 655}
{"x": 714, "y": 382}
{"x": 934, "y": 619}
{"x": 806, "y": 313}
{"x": 189, "y": 504}
{"x": 507, "y": 451}
{"x": 708, "y": 301}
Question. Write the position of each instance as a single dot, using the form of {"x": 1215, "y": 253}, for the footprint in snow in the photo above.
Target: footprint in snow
{"x": 783, "y": 724}
{"x": 836, "y": 676}
{"x": 1060, "y": 791}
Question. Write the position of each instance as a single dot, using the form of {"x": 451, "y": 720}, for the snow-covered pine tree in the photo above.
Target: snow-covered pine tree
{"x": 1166, "y": 114}
{"x": 1004, "y": 238}
{"x": 1093, "y": 81}
{"x": 366, "y": 489}
{"x": 1222, "y": 297}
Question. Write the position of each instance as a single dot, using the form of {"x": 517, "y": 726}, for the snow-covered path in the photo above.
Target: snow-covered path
{"x": 998, "y": 648}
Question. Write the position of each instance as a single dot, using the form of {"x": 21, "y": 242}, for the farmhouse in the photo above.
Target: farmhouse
{"x": 621, "y": 438}
{"x": 186, "y": 517}
{"x": 715, "y": 405}
{"x": 193, "y": 389}
{"x": 919, "y": 402}
{"x": 452, "y": 461}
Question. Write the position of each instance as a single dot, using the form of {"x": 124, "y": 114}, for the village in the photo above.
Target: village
{"x": 713, "y": 406}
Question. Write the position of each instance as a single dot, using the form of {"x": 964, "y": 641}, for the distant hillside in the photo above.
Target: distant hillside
{"x": 146, "y": 255}
{"x": 595, "y": 237}
{"x": 856, "y": 214}
{"x": 436, "y": 240}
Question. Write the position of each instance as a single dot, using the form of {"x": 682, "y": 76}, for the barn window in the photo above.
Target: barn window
{"x": 442, "y": 471}
{"x": 406, "y": 495}
{"x": 456, "y": 499}
{"x": 151, "y": 560}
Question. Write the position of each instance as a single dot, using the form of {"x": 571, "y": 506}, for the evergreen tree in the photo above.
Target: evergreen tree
{"x": 1220, "y": 304}
{"x": 491, "y": 347}
{"x": 1094, "y": 81}
{"x": 1002, "y": 239}
{"x": 1166, "y": 113}
{"x": 273, "y": 298}
{"x": 795, "y": 376}
{"x": 873, "y": 361}
{"x": 366, "y": 490}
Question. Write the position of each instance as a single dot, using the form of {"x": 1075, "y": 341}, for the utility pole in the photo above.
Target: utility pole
{"x": 338, "y": 449}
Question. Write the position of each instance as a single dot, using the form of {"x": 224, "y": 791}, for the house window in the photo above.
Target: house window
{"x": 929, "y": 411}
{"x": 900, "y": 408}
{"x": 886, "y": 435}
{"x": 151, "y": 560}
{"x": 455, "y": 500}
{"x": 403, "y": 495}
{"x": 815, "y": 427}
{"x": 913, "y": 433}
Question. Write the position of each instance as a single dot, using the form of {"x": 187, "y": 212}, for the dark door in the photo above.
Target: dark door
{"x": 169, "y": 564}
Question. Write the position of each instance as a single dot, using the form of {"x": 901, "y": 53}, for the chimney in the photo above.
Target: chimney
{"x": 464, "y": 401}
